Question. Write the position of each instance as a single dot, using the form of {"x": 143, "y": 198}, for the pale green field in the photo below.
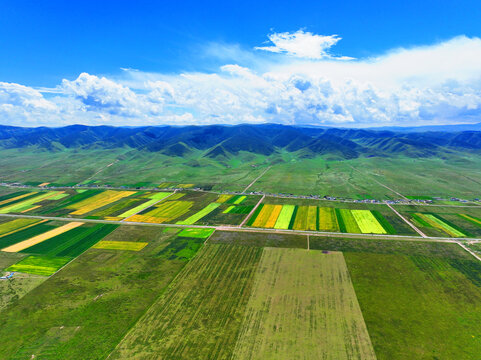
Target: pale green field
{"x": 303, "y": 305}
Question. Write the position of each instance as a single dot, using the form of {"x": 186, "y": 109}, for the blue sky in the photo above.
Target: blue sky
{"x": 133, "y": 62}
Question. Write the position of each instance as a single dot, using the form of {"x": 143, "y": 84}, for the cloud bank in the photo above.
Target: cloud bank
{"x": 302, "y": 83}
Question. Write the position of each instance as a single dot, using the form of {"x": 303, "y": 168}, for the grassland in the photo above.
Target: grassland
{"x": 418, "y": 307}
{"x": 303, "y": 305}
{"x": 98, "y": 297}
{"x": 201, "y": 311}
{"x": 18, "y": 286}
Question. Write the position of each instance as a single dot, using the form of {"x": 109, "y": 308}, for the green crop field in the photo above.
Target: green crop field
{"x": 15, "y": 225}
{"x": 327, "y": 219}
{"x": 200, "y": 314}
{"x": 300, "y": 222}
{"x": 202, "y": 233}
{"x": 418, "y": 307}
{"x": 285, "y": 216}
{"x": 73, "y": 242}
{"x": 25, "y": 233}
{"x": 39, "y": 265}
{"x": 347, "y": 222}
{"x": 296, "y": 296}
{"x": 200, "y": 214}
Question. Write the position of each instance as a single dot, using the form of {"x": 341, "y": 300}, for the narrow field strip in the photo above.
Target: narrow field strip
{"x": 300, "y": 222}
{"x": 200, "y": 314}
{"x": 367, "y": 222}
{"x": 201, "y": 233}
{"x": 138, "y": 208}
{"x": 200, "y": 214}
{"x": 120, "y": 245}
{"x": 271, "y": 221}
{"x": 26, "y": 204}
{"x": 16, "y": 225}
{"x": 73, "y": 242}
{"x": 327, "y": 219}
{"x": 239, "y": 199}
{"x": 263, "y": 216}
{"x": 228, "y": 210}
{"x": 223, "y": 198}
{"x": 303, "y": 306}
{"x": 471, "y": 219}
{"x": 439, "y": 224}
{"x": 164, "y": 212}
{"x": 19, "y": 197}
{"x": 98, "y": 201}
{"x": 42, "y": 237}
{"x": 284, "y": 218}
{"x": 347, "y": 222}
{"x": 311, "y": 223}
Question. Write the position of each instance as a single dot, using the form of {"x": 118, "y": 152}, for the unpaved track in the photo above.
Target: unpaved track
{"x": 379, "y": 183}
{"x": 255, "y": 230}
{"x": 407, "y": 221}
{"x": 257, "y": 178}
{"x": 252, "y": 211}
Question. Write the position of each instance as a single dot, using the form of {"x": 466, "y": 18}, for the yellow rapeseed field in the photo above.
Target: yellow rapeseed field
{"x": 99, "y": 200}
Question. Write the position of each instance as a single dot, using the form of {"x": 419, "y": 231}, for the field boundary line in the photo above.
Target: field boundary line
{"x": 469, "y": 250}
{"x": 252, "y": 211}
{"x": 257, "y": 178}
{"x": 379, "y": 183}
{"x": 99, "y": 171}
{"x": 407, "y": 221}
{"x": 251, "y": 229}
{"x": 148, "y": 207}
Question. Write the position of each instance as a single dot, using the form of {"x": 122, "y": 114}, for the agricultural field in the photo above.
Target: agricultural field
{"x": 201, "y": 233}
{"x": 396, "y": 283}
{"x": 314, "y": 218}
{"x": 303, "y": 302}
{"x": 89, "y": 317}
{"x": 120, "y": 245}
{"x": 201, "y": 311}
{"x": 39, "y": 265}
{"x": 444, "y": 221}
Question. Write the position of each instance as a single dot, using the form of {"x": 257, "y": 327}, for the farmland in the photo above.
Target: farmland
{"x": 208, "y": 304}
{"x": 126, "y": 284}
{"x": 202, "y": 286}
{"x": 303, "y": 303}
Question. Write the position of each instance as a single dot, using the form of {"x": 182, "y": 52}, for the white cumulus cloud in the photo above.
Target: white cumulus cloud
{"x": 435, "y": 84}
{"x": 302, "y": 44}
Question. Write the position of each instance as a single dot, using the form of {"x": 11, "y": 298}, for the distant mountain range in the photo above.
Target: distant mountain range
{"x": 223, "y": 142}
